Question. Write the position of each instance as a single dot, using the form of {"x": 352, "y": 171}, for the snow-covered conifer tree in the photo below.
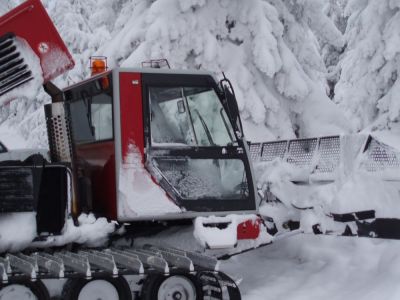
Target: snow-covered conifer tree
{"x": 331, "y": 53}
{"x": 268, "y": 48}
{"x": 368, "y": 88}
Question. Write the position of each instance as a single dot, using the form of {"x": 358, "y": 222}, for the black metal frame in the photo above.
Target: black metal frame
{"x": 74, "y": 93}
{"x": 214, "y": 152}
{"x": 3, "y": 149}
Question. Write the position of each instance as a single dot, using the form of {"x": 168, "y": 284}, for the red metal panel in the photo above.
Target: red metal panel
{"x": 97, "y": 162}
{"x": 249, "y": 230}
{"x": 131, "y": 108}
{"x": 31, "y": 22}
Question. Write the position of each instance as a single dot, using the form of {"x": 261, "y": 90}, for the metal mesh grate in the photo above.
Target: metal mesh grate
{"x": 380, "y": 157}
{"x": 329, "y": 154}
{"x": 323, "y": 155}
{"x": 301, "y": 152}
{"x": 273, "y": 150}
{"x": 255, "y": 151}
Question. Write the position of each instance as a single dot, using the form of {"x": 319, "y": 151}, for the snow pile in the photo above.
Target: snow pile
{"x": 90, "y": 232}
{"x": 314, "y": 204}
{"x": 18, "y": 231}
{"x": 21, "y": 225}
{"x": 351, "y": 187}
{"x": 138, "y": 194}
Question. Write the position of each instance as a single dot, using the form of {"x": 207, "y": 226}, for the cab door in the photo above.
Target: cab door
{"x": 91, "y": 112}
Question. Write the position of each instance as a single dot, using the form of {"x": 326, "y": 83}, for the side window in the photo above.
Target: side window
{"x": 91, "y": 118}
{"x": 101, "y": 115}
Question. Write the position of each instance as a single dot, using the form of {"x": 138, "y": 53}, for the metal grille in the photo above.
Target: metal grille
{"x": 16, "y": 189}
{"x": 273, "y": 150}
{"x": 255, "y": 151}
{"x": 301, "y": 152}
{"x": 329, "y": 154}
{"x": 13, "y": 69}
{"x": 380, "y": 157}
{"x": 323, "y": 155}
{"x": 59, "y": 132}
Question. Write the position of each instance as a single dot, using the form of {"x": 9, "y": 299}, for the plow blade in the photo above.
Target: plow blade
{"x": 30, "y": 22}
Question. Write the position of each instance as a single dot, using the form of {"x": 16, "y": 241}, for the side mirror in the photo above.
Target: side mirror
{"x": 181, "y": 106}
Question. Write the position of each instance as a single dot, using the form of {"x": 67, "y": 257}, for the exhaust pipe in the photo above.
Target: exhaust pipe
{"x": 61, "y": 146}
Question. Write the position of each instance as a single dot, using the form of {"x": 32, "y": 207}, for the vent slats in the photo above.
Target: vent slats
{"x": 13, "y": 69}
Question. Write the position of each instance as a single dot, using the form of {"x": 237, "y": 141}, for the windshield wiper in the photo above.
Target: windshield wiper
{"x": 87, "y": 100}
{"x": 209, "y": 137}
{"x": 221, "y": 112}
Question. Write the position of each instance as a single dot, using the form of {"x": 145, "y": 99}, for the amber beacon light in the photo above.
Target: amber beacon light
{"x": 98, "y": 64}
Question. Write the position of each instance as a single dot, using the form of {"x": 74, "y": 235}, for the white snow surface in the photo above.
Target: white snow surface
{"x": 308, "y": 267}
{"x": 17, "y": 231}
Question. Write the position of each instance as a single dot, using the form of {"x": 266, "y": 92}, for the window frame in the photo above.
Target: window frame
{"x": 206, "y": 152}
{"x": 93, "y": 88}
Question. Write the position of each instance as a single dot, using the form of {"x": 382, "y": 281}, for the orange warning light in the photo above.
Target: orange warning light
{"x": 98, "y": 64}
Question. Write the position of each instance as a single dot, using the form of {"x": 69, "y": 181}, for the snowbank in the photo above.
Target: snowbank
{"x": 358, "y": 182}
{"x": 307, "y": 267}
{"x": 18, "y": 231}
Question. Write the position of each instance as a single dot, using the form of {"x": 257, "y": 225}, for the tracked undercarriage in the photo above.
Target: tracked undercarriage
{"x": 152, "y": 273}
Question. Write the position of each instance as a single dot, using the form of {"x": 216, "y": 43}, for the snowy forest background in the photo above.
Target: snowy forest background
{"x": 300, "y": 68}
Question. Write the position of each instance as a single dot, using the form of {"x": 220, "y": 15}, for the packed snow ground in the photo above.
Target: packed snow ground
{"x": 313, "y": 267}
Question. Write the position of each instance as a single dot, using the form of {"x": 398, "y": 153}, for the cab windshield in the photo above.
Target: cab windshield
{"x": 189, "y": 116}
{"x": 194, "y": 179}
